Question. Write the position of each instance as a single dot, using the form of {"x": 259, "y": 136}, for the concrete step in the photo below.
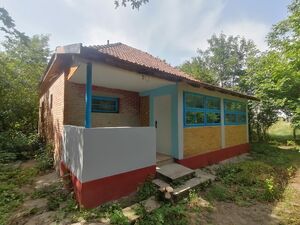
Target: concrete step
{"x": 183, "y": 189}
{"x": 192, "y": 184}
{"x": 174, "y": 173}
{"x": 164, "y": 162}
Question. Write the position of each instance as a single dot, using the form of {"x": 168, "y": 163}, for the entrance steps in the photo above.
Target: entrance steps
{"x": 180, "y": 179}
{"x": 162, "y": 159}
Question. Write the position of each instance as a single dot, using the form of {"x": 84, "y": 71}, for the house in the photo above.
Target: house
{"x": 114, "y": 112}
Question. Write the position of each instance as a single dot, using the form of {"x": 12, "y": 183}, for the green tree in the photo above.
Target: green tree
{"x": 22, "y": 62}
{"x": 275, "y": 76}
{"x": 223, "y": 62}
{"x": 135, "y": 4}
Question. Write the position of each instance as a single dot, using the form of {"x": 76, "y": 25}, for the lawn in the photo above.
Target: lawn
{"x": 282, "y": 131}
{"x": 255, "y": 191}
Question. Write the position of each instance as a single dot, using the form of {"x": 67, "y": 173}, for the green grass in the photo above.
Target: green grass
{"x": 11, "y": 180}
{"x": 262, "y": 179}
{"x": 282, "y": 131}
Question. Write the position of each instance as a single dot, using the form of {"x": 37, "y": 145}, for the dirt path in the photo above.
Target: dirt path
{"x": 286, "y": 211}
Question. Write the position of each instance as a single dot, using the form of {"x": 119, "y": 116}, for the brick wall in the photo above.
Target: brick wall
{"x": 144, "y": 111}
{"x": 51, "y": 117}
{"x": 129, "y": 107}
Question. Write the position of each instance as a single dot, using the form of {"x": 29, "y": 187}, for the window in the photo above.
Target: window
{"x": 201, "y": 110}
{"x": 235, "y": 112}
{"x": 51, "y": 101}
{"x": 105, "y": 104}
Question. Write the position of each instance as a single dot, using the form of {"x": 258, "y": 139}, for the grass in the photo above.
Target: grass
{"x": 11, "y": 180}
{"x": 282, "y": 131}
{"x": 262, "y": 179}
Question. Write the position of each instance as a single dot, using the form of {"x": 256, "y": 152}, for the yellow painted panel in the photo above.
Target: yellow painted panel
{"x": 199, "y": 140}
{"x": 235, "y": 135}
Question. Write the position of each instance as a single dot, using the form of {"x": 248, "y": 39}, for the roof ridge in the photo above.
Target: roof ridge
{"x": 105, "y": 45}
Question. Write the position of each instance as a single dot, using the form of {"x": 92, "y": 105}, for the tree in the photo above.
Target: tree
{"x": 223, "y": 62}
{"x": 22, "y": 62}
{"x": 198, "y": 69}
{"x": 275, "y": 76}
{"x": 135, "y": 4}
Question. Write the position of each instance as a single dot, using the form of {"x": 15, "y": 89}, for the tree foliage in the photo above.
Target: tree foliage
{"x": 22, "y": 62}
{"x": 135, "y": 4}
{"x": 223, "y": 62}
{"x": 275, "y": 76}
{"x": 272, "y": 76}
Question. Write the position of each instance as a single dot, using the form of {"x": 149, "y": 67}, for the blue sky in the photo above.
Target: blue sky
{"x": 170, "y": 29}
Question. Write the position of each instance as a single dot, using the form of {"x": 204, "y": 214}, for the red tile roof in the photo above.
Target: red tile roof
{"x": 129, "y": 54}
{"x": 136, "y": 56}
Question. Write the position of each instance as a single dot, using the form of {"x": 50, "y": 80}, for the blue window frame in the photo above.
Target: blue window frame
{"x": 201, "y": 110}
{"x": 102, "y": 104}
{"x": 235, "y": 112}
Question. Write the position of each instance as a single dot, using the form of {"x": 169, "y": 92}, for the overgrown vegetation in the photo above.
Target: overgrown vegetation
{"x": 262, "y": 179}
{"x": 12, "y": 179}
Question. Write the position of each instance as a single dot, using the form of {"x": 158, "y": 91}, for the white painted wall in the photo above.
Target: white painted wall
{"x": 109, "y": 151}
{"x": 73, "y": 146}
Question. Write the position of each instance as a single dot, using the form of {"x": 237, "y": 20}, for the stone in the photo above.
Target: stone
{"x": 169, "y": 189}
{"x": 150, "y": 204}
{"x": 130, "y": 212}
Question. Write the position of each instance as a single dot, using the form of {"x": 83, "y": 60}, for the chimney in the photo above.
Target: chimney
{"x": 107, "y": 42}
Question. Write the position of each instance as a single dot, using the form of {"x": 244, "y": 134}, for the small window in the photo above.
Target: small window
{"x": 230, "y": 118}
{"x": 213, "y": 103}
{"x": 201, "y": 110}
{"x": 105, "y": 104}
{"x": 195, "y": 101}
{"x": 51, "y": 101}
{"x": 213, "y": 118}
{"x": 235, "y": 112}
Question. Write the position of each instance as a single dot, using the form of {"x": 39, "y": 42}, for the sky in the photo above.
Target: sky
{"x": 169, "y": 29}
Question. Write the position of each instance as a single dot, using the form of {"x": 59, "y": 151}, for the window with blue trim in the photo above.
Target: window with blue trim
{"x": 235, "y": 112}
{"x": 201, "y": 110}
{"x": 102, "y": 104}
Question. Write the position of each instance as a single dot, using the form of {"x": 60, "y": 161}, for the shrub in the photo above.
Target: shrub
{"x": 16, "y": 145}
{"x": 167, "y": 214}
{"x": 146, "y": 190}
{"x": 44, "y": 158}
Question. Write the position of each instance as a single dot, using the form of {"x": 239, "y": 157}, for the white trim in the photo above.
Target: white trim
{"x": 180, "y": 122}
{"x": 223, "y": 144}
{"x": 247, "y": 124}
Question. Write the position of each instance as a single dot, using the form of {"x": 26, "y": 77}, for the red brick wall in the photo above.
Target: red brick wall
{"x": 129, "y": 107}
{"x": 144, "y": 111}
{"x": 51, "y": 119}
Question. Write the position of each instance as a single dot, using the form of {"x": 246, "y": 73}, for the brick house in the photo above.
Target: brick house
{"x": 114, "y": 113}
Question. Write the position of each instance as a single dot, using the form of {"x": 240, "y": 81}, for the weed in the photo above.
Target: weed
{"x": 146, "y": 190}
{"x": 167, "y": 214}
{"x": 117, "y": 217}
{"x": 44, "y": 158}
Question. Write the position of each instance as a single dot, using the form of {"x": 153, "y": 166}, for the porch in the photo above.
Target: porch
{"x": 115, "y": 98}
{"x": 126, "y": 128}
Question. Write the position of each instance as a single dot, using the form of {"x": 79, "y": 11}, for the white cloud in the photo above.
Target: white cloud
{"x": 170, "y": 29}
{"x": 254, "y": 30}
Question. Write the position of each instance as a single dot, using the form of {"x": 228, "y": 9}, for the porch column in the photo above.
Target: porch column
{"x": 88, "y": 95}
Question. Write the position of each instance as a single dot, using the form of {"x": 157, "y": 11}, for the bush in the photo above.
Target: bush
{"x": 44, "y": 158}
{"x": 146, "y": 190}
{"x": 167, "y": 214}
{"x": 16, "y": 145}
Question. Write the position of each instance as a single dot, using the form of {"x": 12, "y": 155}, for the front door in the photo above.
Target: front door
{"x": 162, "y": 121}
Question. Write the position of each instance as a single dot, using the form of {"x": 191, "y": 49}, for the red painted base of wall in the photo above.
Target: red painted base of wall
{"x": 213, "y": 157}
{"x": 93, "y": 193}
